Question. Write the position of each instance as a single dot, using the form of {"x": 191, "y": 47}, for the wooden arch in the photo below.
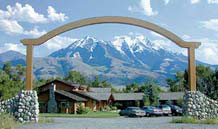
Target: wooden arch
{"x": 191, "y": 46}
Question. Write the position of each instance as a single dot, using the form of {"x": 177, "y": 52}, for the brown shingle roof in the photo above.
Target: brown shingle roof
{"x": 64, "y": 82}
{"x": 127, "y": 96}
{"x": 171, "y": 95}
{"x": 100, "y": 90}
{"x": 84, "y": 94}
{"x": 99, "y": 96}
{"x": 70, "y": 95}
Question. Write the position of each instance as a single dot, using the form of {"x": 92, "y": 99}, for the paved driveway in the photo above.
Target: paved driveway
{"x": 116, "y": 123}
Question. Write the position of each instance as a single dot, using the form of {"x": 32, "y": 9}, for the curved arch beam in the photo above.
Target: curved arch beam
{"x": 112, "y": 19}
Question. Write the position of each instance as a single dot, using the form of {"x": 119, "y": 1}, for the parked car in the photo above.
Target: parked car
{"x": 152, "y": 111}
{"x": 176, "y": 110}
{"x": 132, "y": 112}
{"x": 166, "y": 109}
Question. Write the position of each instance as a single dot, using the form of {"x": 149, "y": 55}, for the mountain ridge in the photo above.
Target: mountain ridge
{"x": 122, "y": 61}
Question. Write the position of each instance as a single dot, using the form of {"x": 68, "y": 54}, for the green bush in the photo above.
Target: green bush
{"x": 7, "y": 121}
{"x": 83, "y": 110}
{"x": 184, "y": 120}
{"x": 107, "y": 108}
{"x": 113, "y": 108}
{"x": 118, "y": 105}
{"x": 102, "y": 109}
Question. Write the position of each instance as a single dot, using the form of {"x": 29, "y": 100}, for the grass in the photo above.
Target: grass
{"x": 89, "y": 115}
{"x": 45, "y": 120}
{"x": 191, "y": 120}
{"x": 7, "y": 121}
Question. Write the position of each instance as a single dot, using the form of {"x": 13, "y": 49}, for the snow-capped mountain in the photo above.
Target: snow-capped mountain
{"x": 124, "y": 60}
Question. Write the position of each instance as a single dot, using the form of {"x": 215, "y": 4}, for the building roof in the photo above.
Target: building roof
{"x": 127, "y": 96}
{"x": 70, "y": 95}
{"x": 82, "y": 93}
{"x": 100, "y": 90}
{"x": 99, "y": 96}
{"x": 64, "y": 82}
{"x": 171, "y": 95}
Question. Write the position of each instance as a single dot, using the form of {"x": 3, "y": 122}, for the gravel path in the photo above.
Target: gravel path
{"x": 115, "y": 123}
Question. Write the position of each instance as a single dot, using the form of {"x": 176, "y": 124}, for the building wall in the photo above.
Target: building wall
{"x": 92, "y": 104}
{"x": 102, "y": 105}
{"x": 43, "y": 103}
{"x": 44, "y": 97}
{"x": 128, "y": 103}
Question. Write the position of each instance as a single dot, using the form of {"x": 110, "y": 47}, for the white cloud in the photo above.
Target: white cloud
{"x": 10, "y": 27}
{"x": 186, "y": 37}
{"x": 12, "y": 46}
{"x": 166, "y": 2}
{"x": 170, "y": 46}
{"x": 24, "y": 13}
{"x": 212, "y": 1}
{"x": 58, "y": 42}
{"x": 212, "y": 24}
{"x": 34, "y": 32}
{"x": 195, "y": 1}
{"x": 54, "y": 16}
{"x": 143, "y": 7}
{"x": 208, "y": 1}
{"x": 208, "y": 51}
{"x": 154, "y": 34}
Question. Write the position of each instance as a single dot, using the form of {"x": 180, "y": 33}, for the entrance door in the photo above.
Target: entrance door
{"x": 64, "y": 106}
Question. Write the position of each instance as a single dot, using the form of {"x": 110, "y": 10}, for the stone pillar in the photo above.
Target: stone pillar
{"x": 52, "y": 104}
{"x": 24, "y": 107}
{"x": 199, "y": 106}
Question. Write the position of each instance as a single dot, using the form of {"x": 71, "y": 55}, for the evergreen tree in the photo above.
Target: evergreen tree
{"x": 75, "y": 77}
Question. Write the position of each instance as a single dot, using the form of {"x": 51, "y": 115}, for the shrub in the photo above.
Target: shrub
{"x": 83, "y": 110}
{"x": 113, "y": 108}
{"x": 184, "y": 120}
{"x": 107, "y": 108}
{"x": 118, "y": 105}
{"x": 102, "y": 109}
{"x": 7, "y": 121}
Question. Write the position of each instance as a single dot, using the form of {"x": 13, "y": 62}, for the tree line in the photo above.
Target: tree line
{"x": 207, "y": 81}
{"x": 12, "y": 81}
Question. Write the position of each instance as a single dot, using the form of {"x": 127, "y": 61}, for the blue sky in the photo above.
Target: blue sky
{"x": 192, "y": 20}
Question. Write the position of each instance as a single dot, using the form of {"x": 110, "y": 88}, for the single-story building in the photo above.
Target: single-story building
{"x": 123, "y": 100}
{"x": 63, "y": 97}
{"x": 170, "y": 96}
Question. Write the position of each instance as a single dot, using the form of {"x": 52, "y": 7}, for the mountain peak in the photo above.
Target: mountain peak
{"x": 87, "y": 38}
{"x": 11, "y": 55}
{"x": 12, "y": 52}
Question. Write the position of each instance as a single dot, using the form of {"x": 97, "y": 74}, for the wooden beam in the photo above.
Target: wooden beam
{"x": 111, "y": 19}
{"x": 29, "y": 69}
{"x": 192, "y": 69}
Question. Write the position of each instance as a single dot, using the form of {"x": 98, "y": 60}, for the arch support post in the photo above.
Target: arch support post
{"x": 191, "y": 69}
{"x": 29, "y": 65}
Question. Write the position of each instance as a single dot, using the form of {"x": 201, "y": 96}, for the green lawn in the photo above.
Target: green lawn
{"x": 89, "y": 115}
